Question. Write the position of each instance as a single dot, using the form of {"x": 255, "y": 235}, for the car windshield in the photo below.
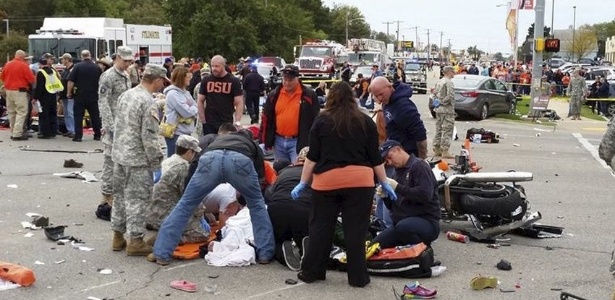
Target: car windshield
{"x": 264, "y": 70}
{"x": 357, "y": 58}
{"x": 413, "y": 67}
{"x": 316, "y": 51}
{"x": 466, "y": 82}
{"x": 366, "y": 71}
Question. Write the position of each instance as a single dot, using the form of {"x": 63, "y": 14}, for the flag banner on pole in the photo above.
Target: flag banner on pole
{"x": 525, "y": 4}
{"x": 511, "y": 24}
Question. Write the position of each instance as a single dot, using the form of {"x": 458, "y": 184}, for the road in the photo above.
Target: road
{"x": 570, "y": 188}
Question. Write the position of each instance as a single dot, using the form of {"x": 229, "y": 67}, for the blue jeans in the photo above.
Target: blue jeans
{"x": 285, "y": 149}
{"x": 383, "y": 213}
{"x": 69, "y": 117}
{"x": 409, "y": 231}
{"x": 171, "y": 144}
{"x": 216, "y": 167}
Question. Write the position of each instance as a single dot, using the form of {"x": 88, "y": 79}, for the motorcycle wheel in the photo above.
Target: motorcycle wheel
{"x": 510, "y": 204}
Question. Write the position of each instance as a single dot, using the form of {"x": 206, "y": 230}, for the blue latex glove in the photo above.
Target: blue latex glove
{"x": 205, "y": 225}
{"x": 436, "y": 102}
{"x": 297, "y": 190}
{"x": 386, "y": 187}
{"x": 157, "y": 175}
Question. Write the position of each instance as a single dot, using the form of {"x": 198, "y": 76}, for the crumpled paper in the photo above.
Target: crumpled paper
{"x": 86, "y": 176}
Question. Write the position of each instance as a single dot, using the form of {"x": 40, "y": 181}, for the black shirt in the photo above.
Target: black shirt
{"x": 85, "y": 75}
{"x": 320, "y": 92}
{"x": 288, "y": 178}
{"x": 220, "y": 96}
{"x": 254, "y": 82}
{"x": 64, "y": 79}
{"x": 330, "y": 150}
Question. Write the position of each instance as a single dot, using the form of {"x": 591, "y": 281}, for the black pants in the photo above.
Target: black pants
{"x": 210, "y": 128}
{"x": 355, "y": 204}
{"x": 290, "y": 222}
{"x": 89, "y": 103}
{"x": 253, "y": 104}
{"x": 27, "y": 125}
{"x": 48, "y": 118}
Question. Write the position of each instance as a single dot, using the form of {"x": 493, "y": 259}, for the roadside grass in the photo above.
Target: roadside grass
{"x": 523, "y": 109}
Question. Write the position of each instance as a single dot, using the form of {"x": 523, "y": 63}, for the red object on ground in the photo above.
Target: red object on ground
{"x": 16, "y": 274}
{"x": 183, "y": 285}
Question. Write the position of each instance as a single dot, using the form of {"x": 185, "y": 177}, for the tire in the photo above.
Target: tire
{"x": 484, "y": 112}
{"x": 504, "y": 205}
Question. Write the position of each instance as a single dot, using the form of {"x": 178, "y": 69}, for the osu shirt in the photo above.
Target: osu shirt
{"x": 219, "y": 98}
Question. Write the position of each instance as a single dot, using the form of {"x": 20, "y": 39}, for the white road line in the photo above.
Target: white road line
{"x": 183, "y": 266}
{"x": 277, "y": 290}
{"x": 89, "y": 289}
{"x": 592, "y": 150}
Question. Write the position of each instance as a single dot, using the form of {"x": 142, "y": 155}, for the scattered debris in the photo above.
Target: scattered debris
{"x": 86, "y": 176}
{"x": 541, "y": 130}
{"x": 32, "y": 215}
{"x": 516, "y": 145}
{"x": 40, "y": 221}
{"x": 187, "y": 286}
{"x": 505, "y": 290}
{"x": 12, "y": 186}
{"x": 71, "y": 163}
{"x": 77, "y": 224}
{"x": 105, "y": 271}
{"x": 213, "y": 276}
{"x": 556, "y": 289}
{"x": 39, "y": 263}
{"x": 7, "y": 285}
{"x": 290, "y": 281}
{"x": 538, "y": 134}
{"x": 493, "y": 246}
{"x": 60, "y": 262}
{"x": 212, "y": 289}
{"x": 27, "y": 148}
{"x": 28, "y": 225}
{"x": 560, "y": 217}
{"x": 55, "y": 233}
{"x": 504, "y": 265}
{"x": 28, "y": 235}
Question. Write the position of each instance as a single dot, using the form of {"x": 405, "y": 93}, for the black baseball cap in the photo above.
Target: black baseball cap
{"x": 291, "y": 70}
{"x": 386, "y": 147}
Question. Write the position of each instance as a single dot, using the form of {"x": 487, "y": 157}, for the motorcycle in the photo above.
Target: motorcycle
{"x": 493, "y": 207}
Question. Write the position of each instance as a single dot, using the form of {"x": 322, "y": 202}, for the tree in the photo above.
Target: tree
{"x": 475, "y": 53}
{"x": 585, "y": 41}
{"x": 17, "y": 40}
{"x": 382, "y": 36}
{"x": 357, "y": 28}
{"x": 498, "y": 56}
{"x": 530, "y": 32}
{"x": 26, "y": 15}
{"x": 434, "y": 48}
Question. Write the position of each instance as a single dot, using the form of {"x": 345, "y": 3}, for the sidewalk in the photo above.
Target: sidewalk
{"x": 561, "y": 108}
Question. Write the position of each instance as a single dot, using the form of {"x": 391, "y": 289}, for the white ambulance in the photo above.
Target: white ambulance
{"x": 101, "y": 36}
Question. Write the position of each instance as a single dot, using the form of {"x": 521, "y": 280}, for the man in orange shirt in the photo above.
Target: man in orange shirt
{"x": 288, "y": 115}
{"x": 17, "y": 79}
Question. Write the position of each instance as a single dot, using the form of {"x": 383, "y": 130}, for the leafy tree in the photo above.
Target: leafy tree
{"x": 475, "y": 53}
{"x": 530, "y": 32}
{"x": 498, "y": 56}
{"x": 25, "y": 15}
{"x": 78, "y": 8}
{"x": 604, "y": 30}
{"x": 585, "y": 41}
{"x": 16, "y": 41}
{"x": 357, "y": 27}
{"x": 382, "y": 36}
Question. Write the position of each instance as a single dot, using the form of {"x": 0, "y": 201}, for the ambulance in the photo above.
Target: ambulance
{"x": 101, "y": 36}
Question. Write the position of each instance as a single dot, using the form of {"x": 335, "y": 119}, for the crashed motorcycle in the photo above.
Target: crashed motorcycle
{"x": 493, "y": 202}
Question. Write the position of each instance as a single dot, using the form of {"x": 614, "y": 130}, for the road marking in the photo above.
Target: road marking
{"x": 593, "y": 151}
{"x": 276, "y": 290}
{"x": 183, "y": 266}
{"x": 89, "y": 289}
{"x": 594, "y": 129}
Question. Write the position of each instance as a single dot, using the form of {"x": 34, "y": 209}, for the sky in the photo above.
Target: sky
{"x": 472, "y": 22}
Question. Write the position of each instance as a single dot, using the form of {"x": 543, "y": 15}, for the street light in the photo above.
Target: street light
{"x": 348, "y": 23}
{"x": 574, "y": 29}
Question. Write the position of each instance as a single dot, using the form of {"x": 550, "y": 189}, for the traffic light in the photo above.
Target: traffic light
{"x": 552, "y": 45}
{"x": 539, "y": 45}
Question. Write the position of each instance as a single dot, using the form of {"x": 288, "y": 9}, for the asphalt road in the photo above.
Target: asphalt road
{"x": 570, "y": 188}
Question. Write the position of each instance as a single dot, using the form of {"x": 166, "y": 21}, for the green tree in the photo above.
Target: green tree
{"x": 357, "y": 26}
{"x": 585, "y": 41}
{"x": 79, "y": 8}
{"x": 382, "y": 36}
{"x": 16, "y": 40}
{"x": 474, "y": 53}
{"x": 498, "y": 56}
{"x": 530, "y": 32}
{"x": 25, "y": 15}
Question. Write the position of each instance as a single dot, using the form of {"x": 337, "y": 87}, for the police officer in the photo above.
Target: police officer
{"x": 136, "y": 153}
{"x": 111, "y": 85}
{"x": 83, "y": 84}
{"x": 48, "y": 85}
{"x": 445, "y": 114}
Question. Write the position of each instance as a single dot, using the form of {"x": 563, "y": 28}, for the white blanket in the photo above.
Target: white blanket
{"x": 234, "y": 250}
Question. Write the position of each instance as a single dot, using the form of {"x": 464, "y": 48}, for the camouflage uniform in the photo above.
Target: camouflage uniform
{"x": 167, "y": 193}
{"x": 136, "y": 153}
{"x": 577, "y": 90}
{"x": 112, "y": 84}
{"x": 445, "y": 114}
{"x": 607, "y": 146}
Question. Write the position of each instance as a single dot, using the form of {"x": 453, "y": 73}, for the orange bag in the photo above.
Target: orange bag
{"x": 403, "y": 252}
{"x": 187, "y": 251}
{"x": 16, "y": 274}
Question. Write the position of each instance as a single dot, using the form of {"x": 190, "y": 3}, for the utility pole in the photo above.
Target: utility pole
{"x": 539, "y": 33}
{"x": 441, "y": 52}
{"x": 397, "y": 44}
{"x": 449, "y": 51}
{"x": 428, "y": 46}
{"x": 552, "y": 18}
{"x": 388, "y": 23}
{"x": 574, "y": 30}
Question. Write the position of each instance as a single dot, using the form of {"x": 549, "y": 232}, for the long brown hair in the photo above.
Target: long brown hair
{"x": 178, "y": 77}
{"x": 343, "y": 109}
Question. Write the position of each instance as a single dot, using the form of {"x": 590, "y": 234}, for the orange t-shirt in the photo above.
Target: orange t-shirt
{"x": 287, "y": 113}
{"x": 17, "y": 75}
{"x": 341, "y": 178}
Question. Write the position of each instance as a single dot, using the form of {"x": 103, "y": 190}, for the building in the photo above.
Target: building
{"x": 609, "y": 49}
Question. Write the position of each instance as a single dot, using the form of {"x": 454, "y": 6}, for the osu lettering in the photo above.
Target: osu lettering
{"x": 219, "y": 87}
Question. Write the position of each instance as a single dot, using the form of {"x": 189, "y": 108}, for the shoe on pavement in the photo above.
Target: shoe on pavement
{"x": 415, "y": 290}
{"x": 482, "y": 282}
{"x": 290, "y": 257}
{"x": 119, "y": 242}
{"x": 71, "y": 163}
{"x": 152, "y": 258}
{"x": 138, "y": 247}
{"x": 19, "y": 138}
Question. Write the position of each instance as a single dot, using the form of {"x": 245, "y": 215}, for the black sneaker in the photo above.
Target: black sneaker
{"x": 293, "y": 261}
{"x": 304, "y": 245}
{"x": 19, "y": 138}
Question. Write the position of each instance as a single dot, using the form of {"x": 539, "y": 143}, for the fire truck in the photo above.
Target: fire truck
{"x": 319, "y": 59}
{"x": 367, "y": 52}
{"x": 101, "y": 36}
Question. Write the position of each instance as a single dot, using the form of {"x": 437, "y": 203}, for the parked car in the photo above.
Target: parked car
{"x": 588, "y": 61}
{"x": 481, "y": 97}
{"x": 276, "y": 60}
{"x": 272, "y": 80}
{"x": 556, "y": 63}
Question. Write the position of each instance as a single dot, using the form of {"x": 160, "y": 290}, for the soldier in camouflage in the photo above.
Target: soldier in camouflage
{"x": 607, "y": 153}
{"x": 170, "y": 188}
{"x": 577, "y": 89}
{"x": 136, "y": 154}
{"x": 111, "y": 85}
{"x": 445, "y": 114}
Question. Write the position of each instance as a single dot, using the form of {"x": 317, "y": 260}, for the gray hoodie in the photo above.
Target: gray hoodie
{"x": 179, "y": 104}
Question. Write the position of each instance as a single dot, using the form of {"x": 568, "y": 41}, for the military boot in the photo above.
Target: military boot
{"x": 138, "y": 247}
{"x": 437, "y": 151}
{"x": 119, "y": 243}
{"x": 447, "y": 155}
{"x": 107, "y": 199}
{"x": 152, "y": 239}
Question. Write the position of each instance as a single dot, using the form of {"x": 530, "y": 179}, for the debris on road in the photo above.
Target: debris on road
{"x": 516, "y": 145}
{"x": 12, "y": 186}
{"x": 504, "y": 265}
{"x": 40, "y": 221}
{"x": 7, "y": 285}
{"x": 71, "y": 163}
{"x": 55, "y": 233}
{"x": 86, "y": 176}
{"x": 39, "y": 262}
{"x": 187, "y": 286}
{"x": 28, "y": 225}
{"x": 60, "y": 262}
{"x": 28, "y": 235}
{"x": 105, "y": 271}
{"x": 27, "y": 148}
{"x": 16, "y": 274}
{"x": 290, "y": 281}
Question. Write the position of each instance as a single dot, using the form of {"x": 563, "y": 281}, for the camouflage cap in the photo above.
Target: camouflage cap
{"x": 125, "y": 53}
{"x": 155, "y": 71}
{"x": 448, "y": 69}
{"x": 188, "y": 142}
{"x": 303, "y": 154}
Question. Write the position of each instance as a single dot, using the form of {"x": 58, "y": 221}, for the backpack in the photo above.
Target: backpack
{"x": 480, "y": 135}
{"x": 411, "y": 261}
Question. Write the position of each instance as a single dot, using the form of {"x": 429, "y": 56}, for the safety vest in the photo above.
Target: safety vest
{"x": 53, "y": 84}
